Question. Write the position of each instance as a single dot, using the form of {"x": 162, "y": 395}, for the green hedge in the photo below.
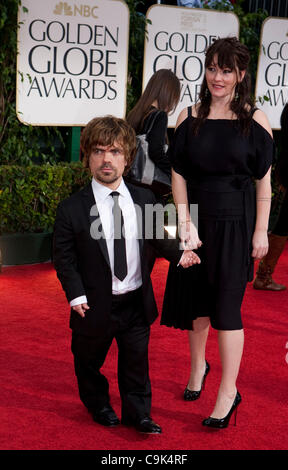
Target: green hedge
{"x": 29, "y": 195}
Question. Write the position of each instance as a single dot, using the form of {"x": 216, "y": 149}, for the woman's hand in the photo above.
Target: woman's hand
{"x": 189, "y": 235}
{"x": 260, "y": 244}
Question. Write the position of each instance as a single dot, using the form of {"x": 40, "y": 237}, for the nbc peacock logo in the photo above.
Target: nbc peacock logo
{"x": 66, "y": 9}
{"x": 62, "y": 8}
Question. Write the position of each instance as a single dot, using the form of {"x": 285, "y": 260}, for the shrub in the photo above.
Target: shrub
{"x": 29, "y": 195}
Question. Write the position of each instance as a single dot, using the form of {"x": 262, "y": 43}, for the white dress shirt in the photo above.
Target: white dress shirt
{"x": 105, "y": 203}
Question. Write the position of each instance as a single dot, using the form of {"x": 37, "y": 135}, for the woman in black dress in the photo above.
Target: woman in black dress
{"x": 159, "y": 98}
{"x": 221, "y": 146}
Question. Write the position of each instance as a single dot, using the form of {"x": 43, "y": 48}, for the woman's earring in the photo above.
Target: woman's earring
{"x": 207, "y": 92}
{"x": 237, "y": 96}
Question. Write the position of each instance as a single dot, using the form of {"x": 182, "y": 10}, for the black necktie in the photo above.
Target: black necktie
{"x": 120, "y": 261}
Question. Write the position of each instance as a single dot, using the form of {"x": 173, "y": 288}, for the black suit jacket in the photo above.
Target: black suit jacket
{"x": 82, "y": 262}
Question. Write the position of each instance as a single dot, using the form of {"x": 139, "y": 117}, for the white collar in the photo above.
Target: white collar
{"x": 102, "y": 192}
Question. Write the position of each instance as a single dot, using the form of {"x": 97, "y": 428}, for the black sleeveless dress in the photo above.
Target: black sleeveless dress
{"x": 219, "y": 165}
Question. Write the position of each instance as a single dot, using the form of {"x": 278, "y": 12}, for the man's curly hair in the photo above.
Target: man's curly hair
{"x": 107, "y": 131}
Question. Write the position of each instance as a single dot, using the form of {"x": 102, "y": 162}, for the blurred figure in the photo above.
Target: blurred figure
{"x": 202, "y": 3}
{"x": 190, "y": 3}
{"x": 278, "y": 237}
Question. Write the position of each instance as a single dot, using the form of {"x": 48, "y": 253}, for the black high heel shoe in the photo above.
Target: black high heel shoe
{"x": 191, "y": 395}
{"x": 223, "y": 422}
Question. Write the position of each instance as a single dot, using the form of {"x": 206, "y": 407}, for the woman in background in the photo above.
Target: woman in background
{"x": 159, "y": 98}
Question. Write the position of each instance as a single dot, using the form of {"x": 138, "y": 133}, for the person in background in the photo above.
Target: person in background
{"x": 221, "y": 145}
{"x": 190, "y": 3}
{"x": 202, "y": 3}
{"x": 160, "y": 97}
{"x": 100, "y": 260}
{"x": 278, "y": 236}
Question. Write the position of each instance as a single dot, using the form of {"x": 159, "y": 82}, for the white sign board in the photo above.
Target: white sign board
{"x": 177, "y": 39}
{"x": 72, "y": 61}
{"x": 272, "y": 74}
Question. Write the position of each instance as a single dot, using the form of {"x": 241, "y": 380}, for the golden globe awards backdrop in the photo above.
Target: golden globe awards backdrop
{"x": 177, "y": 39}
{"x": 72, "y": 61}
{"x": 272, "y": 74}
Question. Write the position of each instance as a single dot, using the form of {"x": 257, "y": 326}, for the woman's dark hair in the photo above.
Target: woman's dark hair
{"x": 281, "y": 167}
{"x": 231, "y": 53}
{"x": 284, "y": 122}
{"x": 163, "y": 87}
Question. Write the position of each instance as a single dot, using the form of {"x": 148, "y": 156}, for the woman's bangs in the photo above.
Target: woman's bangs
{"x": 224, "y": 58}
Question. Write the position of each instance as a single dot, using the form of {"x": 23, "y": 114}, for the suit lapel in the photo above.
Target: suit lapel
{"x": 94, "y": 217}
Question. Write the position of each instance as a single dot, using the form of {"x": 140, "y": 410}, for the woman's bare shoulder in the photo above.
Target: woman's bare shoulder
{"x": 260, "y": 117}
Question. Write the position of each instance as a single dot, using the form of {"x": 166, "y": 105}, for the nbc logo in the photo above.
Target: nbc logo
{"x": 63, "y": 8}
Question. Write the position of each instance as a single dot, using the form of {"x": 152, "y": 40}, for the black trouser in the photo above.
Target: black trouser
{"x": 131, "y": 332}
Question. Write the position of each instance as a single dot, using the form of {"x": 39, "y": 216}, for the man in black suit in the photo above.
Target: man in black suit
{"x": 106, "y": 277}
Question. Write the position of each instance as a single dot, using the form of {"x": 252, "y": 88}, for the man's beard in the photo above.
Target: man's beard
{"x": 107, "y": 179}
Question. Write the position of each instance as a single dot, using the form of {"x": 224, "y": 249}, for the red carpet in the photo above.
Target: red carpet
{"x": 40, "y": 408}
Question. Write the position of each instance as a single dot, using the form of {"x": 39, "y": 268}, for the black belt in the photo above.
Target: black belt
{"x": 127, "y": 296}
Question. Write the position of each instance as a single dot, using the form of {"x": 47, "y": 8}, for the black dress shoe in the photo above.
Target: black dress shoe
{"x": 106, "y": 416}
{"x": 145, "y": 425}
{"x": 148, "y": 426}
{"x": 191, "y": 395}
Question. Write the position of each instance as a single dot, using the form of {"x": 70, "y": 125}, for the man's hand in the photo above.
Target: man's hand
{"x": 81, "y": 309}
{"x": 189, "y": 258}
